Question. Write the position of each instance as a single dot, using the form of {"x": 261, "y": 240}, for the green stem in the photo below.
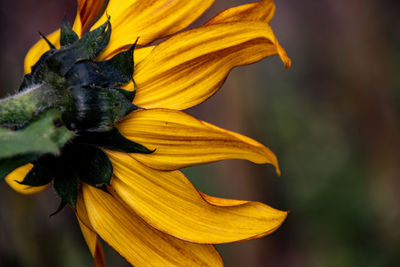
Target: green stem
{"x": 22, "y": 107}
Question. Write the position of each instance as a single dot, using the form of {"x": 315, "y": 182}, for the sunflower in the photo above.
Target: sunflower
{"x": 147, "y": 210}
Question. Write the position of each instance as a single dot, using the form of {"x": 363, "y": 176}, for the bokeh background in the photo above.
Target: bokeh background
{"x": 332, "y": 120}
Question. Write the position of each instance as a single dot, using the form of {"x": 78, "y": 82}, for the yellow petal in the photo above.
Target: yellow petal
{"x": 148, "y": 19}
{"x": 88, "y": 11}
{"x": 93, "y": 242}
{"x": 181, "y": 140}
{"x": 222, "y": 202}
{"x": 19, "y": 175}
{"x": 142, "y": 53}
{"x": 136, "y": 241}
{"x": 77, "y": 27}
{"x": 171, "y": 204}
{"x": 186, "y": 69}
{"x": 90, "y": 236}
{"x": 262, "y": 11}
{"x": 39, "y": 48}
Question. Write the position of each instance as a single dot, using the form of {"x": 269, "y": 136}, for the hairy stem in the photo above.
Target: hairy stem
{"x": 22, "y": 107}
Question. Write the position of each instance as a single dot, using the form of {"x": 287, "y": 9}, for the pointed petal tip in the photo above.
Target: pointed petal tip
{"x": 221, "y": 202}
{"x": 271, "y": 158}
{"x": 285, "y": 214}
{"x": 18, "y": 175}
{"x": 287, "y": 62}
{"x": 266, "y": 156}
{"x": 272, "y": 230}
{"x": 283, "y": 219}
{"x": 278, "y": 171}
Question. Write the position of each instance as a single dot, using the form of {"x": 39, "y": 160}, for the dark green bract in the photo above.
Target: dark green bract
{"x": 65, "y": 112}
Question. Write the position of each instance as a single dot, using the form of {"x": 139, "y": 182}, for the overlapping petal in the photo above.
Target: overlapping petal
{"x": 181, "y": 140}
{"x": 188, "y": 68}
{"x": 19, "y": 175}
{"x": 262, "y": 11}
{"x": 135, "y": 240}
{"x": 90, "y": 236}
{"x": 88, "y": 11}
{"x": 148, "y": 19}
{"x": 170, "y": 203}
{"x": 222, "y": 202}
{"x": 93, "y": 242}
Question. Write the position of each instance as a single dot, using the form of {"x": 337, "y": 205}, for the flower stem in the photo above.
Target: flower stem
{"x": 24, "y": 106}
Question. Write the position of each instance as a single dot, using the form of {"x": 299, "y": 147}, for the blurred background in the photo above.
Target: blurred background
{"x": 332, "y": 120}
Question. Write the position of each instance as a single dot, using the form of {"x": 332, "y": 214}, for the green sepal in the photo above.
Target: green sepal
{"x": 96, "y": 109}
{"x": 36, "y": 71}
{"x": 119, "y": 69}
{"x": 66, "y": 186}
{"x": 27, "y": 82}
{"x": 90, "y": 163}
{"x": 65, "y": 177}
{"x": 9, "y": 164}
{"x": 37, "y": 177}
{"x": 54, "y": 64}
{"x": 45, "y": 134}
{"x": 51, "y": 46}
{"x": 60, "y": 207}
{"x": 113, "y": 140}
{"x": 88, "y": 47}
{"x": 115, "y": 71}
{"x": 86, "y": 73}
{"x": 130, "y": 95}
{"x": 67, "y": 35}
{"x": 94, "y": 42}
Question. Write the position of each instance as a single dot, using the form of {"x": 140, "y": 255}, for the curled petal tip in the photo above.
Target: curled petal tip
{"x": 282, "y": 54}
{"x": 278, "y": 171}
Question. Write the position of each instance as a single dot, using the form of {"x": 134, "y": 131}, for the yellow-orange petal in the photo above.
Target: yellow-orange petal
{"x": 39, "y": 48}
{"x": 170, "y": 203}
{"x": 222, "y": 202}
{"x": 19, "y": 175}
{"x": 90, "y": 236}
{"x": 181, "y": 140}
{"x": 148, "y": 19}
{"x": 188, "y": 68}
{"x": 136, "y": 241}
{"x": 88, "y": 11}
{"x": 262, "y": 11}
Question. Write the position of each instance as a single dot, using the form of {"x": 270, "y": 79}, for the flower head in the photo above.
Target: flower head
{"x": 120, "y": 172}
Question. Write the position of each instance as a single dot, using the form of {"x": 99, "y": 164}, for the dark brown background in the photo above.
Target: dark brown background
{"x": 332, "y": 120}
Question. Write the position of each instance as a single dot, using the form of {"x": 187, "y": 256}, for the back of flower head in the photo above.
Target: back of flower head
{"x": 112, "y": 147}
